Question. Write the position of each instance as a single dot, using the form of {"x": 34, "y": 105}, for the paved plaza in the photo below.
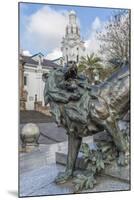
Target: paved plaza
{"x": 38, "y": 170}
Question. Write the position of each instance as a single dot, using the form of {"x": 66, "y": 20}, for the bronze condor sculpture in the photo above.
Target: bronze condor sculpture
{"x": 84, "y": 109}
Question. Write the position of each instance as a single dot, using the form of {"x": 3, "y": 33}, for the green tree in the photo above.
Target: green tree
{"x": 89, "y": 64}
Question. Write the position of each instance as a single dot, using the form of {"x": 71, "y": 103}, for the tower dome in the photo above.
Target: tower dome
{"x": 72, "y": 12}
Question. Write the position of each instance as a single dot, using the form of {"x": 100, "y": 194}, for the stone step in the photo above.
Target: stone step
{"x": 34, "y": 117}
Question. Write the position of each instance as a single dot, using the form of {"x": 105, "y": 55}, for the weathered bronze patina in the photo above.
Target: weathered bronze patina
{"x": 84, "y": 110}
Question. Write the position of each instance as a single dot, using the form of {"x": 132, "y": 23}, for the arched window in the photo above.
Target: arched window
{"x": 25, "y": 80}
{"x": 67, "y": 30}
{"x": 77, "y": 58}
{"x": 77, "y": 30}
{"x": 67, "y": 58}
{"x": 71, "y": 29}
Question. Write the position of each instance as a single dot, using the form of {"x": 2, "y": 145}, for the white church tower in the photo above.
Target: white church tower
{"x": 72, "y": 45}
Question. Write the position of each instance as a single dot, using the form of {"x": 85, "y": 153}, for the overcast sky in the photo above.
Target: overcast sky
{"x": 42, "y": 27}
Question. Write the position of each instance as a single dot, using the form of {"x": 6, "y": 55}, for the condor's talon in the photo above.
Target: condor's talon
{"x": 63, "y": 177}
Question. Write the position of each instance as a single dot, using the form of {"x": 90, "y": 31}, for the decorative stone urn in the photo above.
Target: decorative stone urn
{"x": 30, "y": 135}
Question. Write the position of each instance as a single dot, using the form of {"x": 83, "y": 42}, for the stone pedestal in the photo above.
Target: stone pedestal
{"x": 112, "y": 170}
{"x": 61, "y": 158}
{"x": 119, "y": 172}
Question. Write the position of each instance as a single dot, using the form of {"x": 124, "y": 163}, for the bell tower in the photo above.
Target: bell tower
{"x": 72, "y": 45}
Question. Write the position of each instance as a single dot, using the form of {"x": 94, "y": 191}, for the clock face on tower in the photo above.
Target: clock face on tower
{"x": 72, "y": 43}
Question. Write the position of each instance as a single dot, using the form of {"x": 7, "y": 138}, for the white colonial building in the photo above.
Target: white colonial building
{"x": 72, "y": 44}
{"x": 34, "y": 68}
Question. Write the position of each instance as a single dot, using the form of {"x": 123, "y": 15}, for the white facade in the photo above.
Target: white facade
{"x": 72, "y": 45}
{"x": 33, "y": 82}
{"x": 34, "y": 86}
